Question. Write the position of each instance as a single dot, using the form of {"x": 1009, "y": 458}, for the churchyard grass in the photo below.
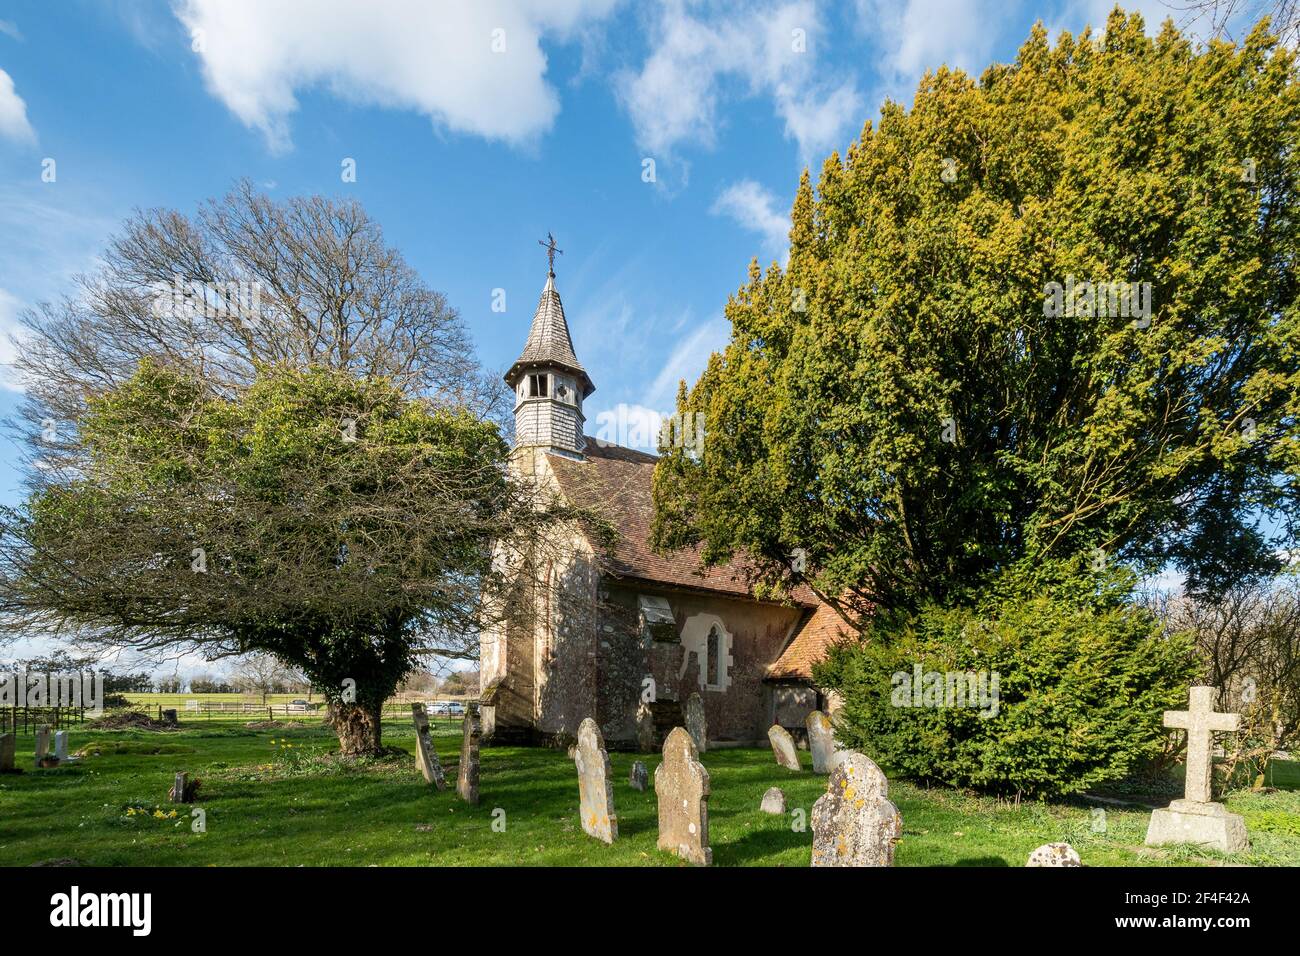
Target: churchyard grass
{"x": 276, "y": 797}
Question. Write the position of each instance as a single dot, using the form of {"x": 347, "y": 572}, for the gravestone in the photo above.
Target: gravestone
{"x": 638, "y": 776}
{"x": 773, "y": 801}
{"x": 696, "y": 725}
{"x": 60, "y": 745}
{"x": 426, "y": 757}
{"x": 645, "y": 728}
{"x": 595, "y": 789}
{"x": 42, "y": 743}
{"x": 1196, "y": 819}
{"x": 821, "y": 741}
{"x": 8, "y": 752}
{"x": 853, "y": 822}
{"x": 682, "y": 789}
{"x": 783, "y": 747}
{"x": 169, "y": 716}
{"x": 467, "y": 771}
{"x": 1054, "y": 854}
{"x": 180, "y": 791}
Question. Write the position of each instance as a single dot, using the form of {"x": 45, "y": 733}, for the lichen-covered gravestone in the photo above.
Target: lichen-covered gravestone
{"x": 783, "y": 747}
{"x": 696, "y": 725}
{"x": 821, "y": 741}
{"x": 8, "y": 752}
{"x": 1197, "y": 819}
{"x": 773, "y": 801}
{"x": 595, "y": 789}
{"x": 682, "y": 788}
{"x": 853, "y": 822}
{"x": 467, "y": 772}
{"x": 638, "y": 777}
{"x": 426, "y": 758}
{"x": 1054, "y": 854}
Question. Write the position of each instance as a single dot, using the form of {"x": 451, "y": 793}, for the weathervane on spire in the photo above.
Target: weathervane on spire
{"x": 551, "y": 250}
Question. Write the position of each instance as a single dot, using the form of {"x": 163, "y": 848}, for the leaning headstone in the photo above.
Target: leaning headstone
{"x": 638, "y": 777}
{"x": 696, "y": 725}
{"x": 682, "y": 789}
{"x": 821, "y": 741}
{"x": 1054, "y": 854}
{"x": 180, "y": 788}
{"x": 426, "y": 757}
{"x": 783, "y": 747}
{"x": 1197, "y": 819}
{"x": 467, "y": 772}
{"x": 853, "y": 822}
{"x": 773, "y": 801}
{"x": 8, "y": 752}
{"x": 595, "y": 790}
{"x": 42, "y": 743}
{"x": 61, "y": 745}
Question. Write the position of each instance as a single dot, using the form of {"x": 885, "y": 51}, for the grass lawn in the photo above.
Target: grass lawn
{"x": 276, "y": 797}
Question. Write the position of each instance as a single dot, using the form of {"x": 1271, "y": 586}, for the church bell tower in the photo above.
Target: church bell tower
{"x": 549, "y": 382}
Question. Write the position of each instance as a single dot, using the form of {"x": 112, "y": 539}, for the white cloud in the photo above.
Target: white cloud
{"x": 916, "y": 35}
{"x": 10, "y": 329}
{"x": 768, "y": 48}
{"x": 755, "y": 208}
{"x": 686, "y": 361}
{"x": 434, "y": 58}
{"x": 9, "y": 28}
{"x": 13, "y": 112}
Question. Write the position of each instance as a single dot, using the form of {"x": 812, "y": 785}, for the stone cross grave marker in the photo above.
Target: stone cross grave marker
{"x": 783, "y": 747}
{"x": 467, "y": 772}
{"x": 426, "y": 757}
{"x": 1197, "y": 819}
{"x": 8, "y": 751}
{"x": 853, "y": 822}
{"x": 595, "y": 788}
{"x": 682, "y": 789}
{"x": 696, "y": 725}
{"x": 821, "y": 741}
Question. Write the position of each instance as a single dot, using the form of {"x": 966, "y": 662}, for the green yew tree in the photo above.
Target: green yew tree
{"x": 927, "y": 396}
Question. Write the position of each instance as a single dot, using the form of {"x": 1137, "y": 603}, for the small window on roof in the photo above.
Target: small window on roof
{"x": 537, "y": 385}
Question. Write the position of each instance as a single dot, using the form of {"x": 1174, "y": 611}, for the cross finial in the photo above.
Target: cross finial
{"x": 1200, "y": 721}
{"x": 551, "y": 250}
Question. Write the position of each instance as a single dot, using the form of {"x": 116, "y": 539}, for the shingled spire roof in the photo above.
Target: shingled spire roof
{"x": 549, "y": 343}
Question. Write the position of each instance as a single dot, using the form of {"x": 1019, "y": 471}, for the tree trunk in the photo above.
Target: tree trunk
{"x": 358, "y": 728}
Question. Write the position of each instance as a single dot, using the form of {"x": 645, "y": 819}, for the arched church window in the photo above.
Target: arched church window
{"x": 713, "y": 653}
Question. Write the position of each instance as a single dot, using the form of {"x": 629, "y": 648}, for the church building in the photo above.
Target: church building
{"x": 618, "y": 632}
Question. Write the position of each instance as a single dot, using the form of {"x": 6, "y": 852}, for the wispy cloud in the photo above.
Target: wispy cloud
{"x": 13, "y": 113}
{"x": 10, "y": 29}
{"x": 755, "y": 208}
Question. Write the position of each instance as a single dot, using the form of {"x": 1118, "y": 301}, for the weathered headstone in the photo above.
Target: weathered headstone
{"x": 783, "y": 747}
{"x": 595, "y": 789}
{"x": 426, "y": 757}
{"x": 42, "y": 743}
{"x": 8, "y": 752}
{"x": 638, "y": 776}
{"x": 696, "y": 725}
{"x": 180, "y": 791}
{"x": 1196, "y": 819}
{"x": 60, "y": 745}
{"x": 1054, "y": 854}
{"x": 170, "y": 716}
{"x": 853, "y": 822}
{"x": 467, "y": 772}
{"x": 645, "y": 728}
{"x": 773, "y": 801}
{"x": 821, "y": 741}
{"x": 682, "y": 789}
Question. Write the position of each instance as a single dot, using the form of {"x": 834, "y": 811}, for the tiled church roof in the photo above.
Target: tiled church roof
{"x": 818, "y": 633}
{"x": 549, "y": 342}
{"x": 616, "y": 480}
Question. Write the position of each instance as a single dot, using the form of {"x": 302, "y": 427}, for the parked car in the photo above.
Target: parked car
{"x": 447, "y": 708}
{"x": 300, "y": 706}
